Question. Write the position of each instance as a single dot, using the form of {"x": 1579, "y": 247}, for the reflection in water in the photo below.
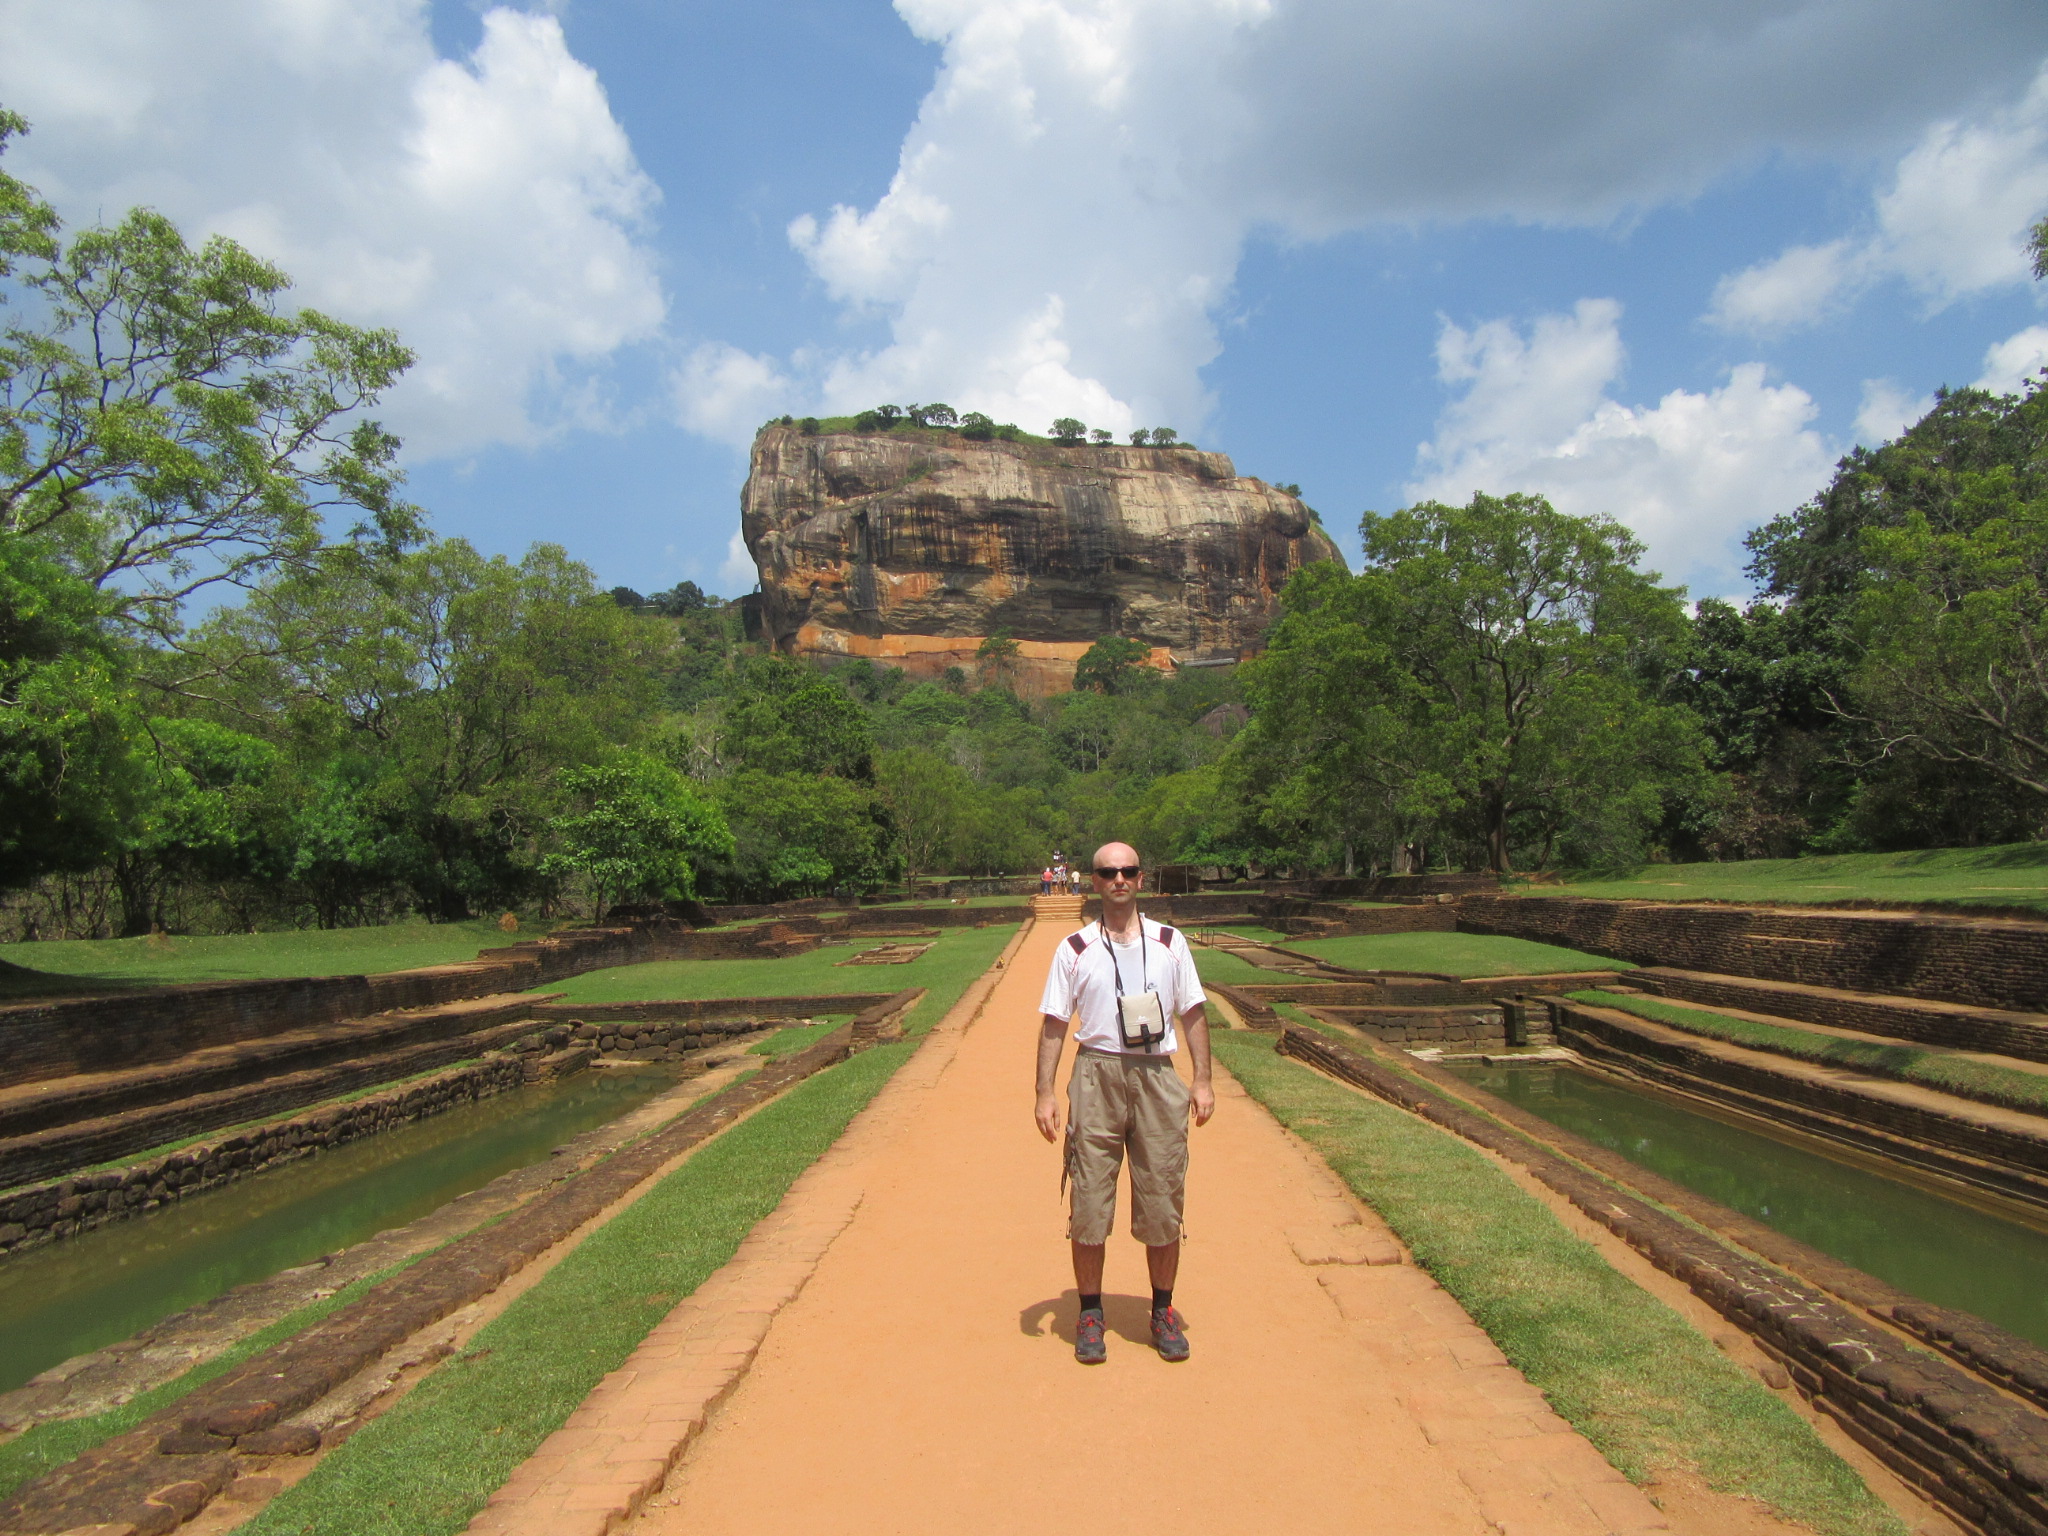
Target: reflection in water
{"x": 1941, "y": 1251}
{"x": 69, "y": 1297}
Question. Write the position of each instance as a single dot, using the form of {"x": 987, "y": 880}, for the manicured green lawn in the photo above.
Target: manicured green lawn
{"x": 2011, "y": 875}
{"x": 1453, "y": 954}
{"x": 956, "y": 957}
{"x": 256, "y": 956}
{"x": 1631, "y": 1375}
{"x": 2010, "y": 1086}
{"x": 972, "y": 901}
{"x": 427, "y": 1466}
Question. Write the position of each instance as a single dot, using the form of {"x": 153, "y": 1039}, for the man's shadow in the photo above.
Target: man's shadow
{"x": 1128, "y": 1317}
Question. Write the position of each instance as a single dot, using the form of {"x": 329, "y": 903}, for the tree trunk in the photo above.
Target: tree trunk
{"x": 1497, "y": 838}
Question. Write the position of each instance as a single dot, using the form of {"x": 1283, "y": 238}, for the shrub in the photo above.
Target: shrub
{"x": 1140, "y": 438}
{"x": 977, "y": 426}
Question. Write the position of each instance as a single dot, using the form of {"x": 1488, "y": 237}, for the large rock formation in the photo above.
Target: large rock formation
{"x": 913, "y": 546}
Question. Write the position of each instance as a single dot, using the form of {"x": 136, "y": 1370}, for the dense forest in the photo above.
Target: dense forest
{"x": 243, "y": 684}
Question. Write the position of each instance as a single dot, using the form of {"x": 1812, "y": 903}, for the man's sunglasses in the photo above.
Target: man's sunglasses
{"x": 1128, "y": 871}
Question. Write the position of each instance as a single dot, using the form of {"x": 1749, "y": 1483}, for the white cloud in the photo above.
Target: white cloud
{"x": 737, "y": 573}
{"x": 1794, "y": 288}
{"x": 724, "y": 393}
{"x": 489, "y": 209}
{"x": 1689, "y": 475}
{"x": 1887, "y": 410}
{"x": 2011, "y": 363}
{"x": 1952, "y": 222}
{"x": 1069, "y": 208}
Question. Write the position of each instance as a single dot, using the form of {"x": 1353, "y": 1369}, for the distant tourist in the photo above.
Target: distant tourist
{"x": 1045, "y": 881}
{"x": 1124, "y": 982}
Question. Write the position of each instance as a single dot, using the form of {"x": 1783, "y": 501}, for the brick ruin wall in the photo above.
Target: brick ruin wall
{"x": 1985, "y": 962}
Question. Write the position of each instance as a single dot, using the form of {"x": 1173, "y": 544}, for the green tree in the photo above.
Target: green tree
{"x": 466, "y": 683}
{"x": 1492, "y": 664}
{"x": 799, "y": 835}
{"x": 74, "y": 750}
{"x": 1954, "y": 638}
{"x": 784, "y": 717}
{"x": 996, "y": 658}
{"x": 636, "y": 830}
{"x": 163, "y": 424}
{"x": 977, "y": 427}
{"x": 928, "y": 799}
{"x": 1113, "y": 664}
{"x": 216, "y": 811}
{"x": 1068, "y": 430}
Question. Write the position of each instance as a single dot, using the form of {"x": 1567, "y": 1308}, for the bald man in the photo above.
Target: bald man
{"x": 1124, "y": 983}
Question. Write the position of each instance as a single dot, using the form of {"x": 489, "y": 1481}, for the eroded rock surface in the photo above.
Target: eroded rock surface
{"x": 912, "y": 546}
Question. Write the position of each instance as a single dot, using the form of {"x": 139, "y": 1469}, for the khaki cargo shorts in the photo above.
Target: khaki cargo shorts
{"x": 1115, "y": 1102}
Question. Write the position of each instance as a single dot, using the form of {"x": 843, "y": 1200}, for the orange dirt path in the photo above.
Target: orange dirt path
{"x": 922, "y": 1379}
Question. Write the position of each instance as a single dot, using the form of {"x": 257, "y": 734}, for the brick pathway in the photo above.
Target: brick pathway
{"x": 891, "y": 1352}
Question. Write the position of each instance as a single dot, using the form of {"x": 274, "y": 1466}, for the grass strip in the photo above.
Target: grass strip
{"x": 429, "y": 1464}
{"x": 2008, "y": 875}
{"x": 956, "y": 957}
{"x": 267, "y": 956}
{"x": 2006, "y": 1086}
{"x": 799, "y": 1036}
{"x": 1628, "y": 1373}
{"x": 41, "y": 1447}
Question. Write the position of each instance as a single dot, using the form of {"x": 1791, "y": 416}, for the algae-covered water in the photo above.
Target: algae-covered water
{"x": 1938, "y": 1249}
{"x": 69, "y": 1297}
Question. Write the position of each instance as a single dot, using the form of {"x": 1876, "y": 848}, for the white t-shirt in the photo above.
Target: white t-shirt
{"x": 1086, "y": 969}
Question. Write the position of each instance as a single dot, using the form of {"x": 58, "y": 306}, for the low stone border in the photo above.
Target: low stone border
{"x": 1976, "y": 1451}
{"x": 170, "y": 1467}
{"x": 690, "y": 1009}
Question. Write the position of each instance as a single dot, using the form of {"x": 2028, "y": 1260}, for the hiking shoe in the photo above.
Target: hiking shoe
{"x": 1089, "y": 1348}
{"x": 1169, "y": 1334}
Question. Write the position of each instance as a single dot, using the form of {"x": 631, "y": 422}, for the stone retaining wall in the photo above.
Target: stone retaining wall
{"x": 60, "y": 1037}
{"x": 1987, "y": 962}
{"x": 1978, "y": 1452}
{"x": 676, "y": 1009}
{"x": 59, "y": 1149}
{"x": 1950, "y": 1025}
{"x": 60, "y": 1207}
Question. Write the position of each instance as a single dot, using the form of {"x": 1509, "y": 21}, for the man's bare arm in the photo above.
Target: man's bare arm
{"x": 1195, "y": 1024}
{"x": 1052, "y": 1038}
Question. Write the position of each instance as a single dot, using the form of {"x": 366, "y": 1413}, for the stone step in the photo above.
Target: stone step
{"x": 1059, "y": 907}
{"x": 102, "y": 1138}
{"x": 1953, "y": 1026}
{"x": 29, "y": 1107}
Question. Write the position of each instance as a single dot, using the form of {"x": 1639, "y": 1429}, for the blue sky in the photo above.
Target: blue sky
{"x": 1652, "y": 264}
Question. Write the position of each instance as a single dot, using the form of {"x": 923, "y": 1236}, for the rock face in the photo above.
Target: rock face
{"x": 913, "y": 546}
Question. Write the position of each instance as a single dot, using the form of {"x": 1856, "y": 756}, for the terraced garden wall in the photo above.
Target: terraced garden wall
{"x": 1990, "y": 962}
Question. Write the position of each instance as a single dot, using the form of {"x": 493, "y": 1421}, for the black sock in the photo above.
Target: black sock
{"x": 1161, "y": 1300}
{"x": 1091, "y": 1303}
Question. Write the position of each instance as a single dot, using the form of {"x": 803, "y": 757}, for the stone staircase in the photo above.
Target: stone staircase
{"x": 1059, "y": 909}
{"x": 60, "y": 1124}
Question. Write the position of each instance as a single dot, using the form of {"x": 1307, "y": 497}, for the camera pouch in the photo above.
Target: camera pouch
{"x": 1141, "y": 1020}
